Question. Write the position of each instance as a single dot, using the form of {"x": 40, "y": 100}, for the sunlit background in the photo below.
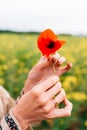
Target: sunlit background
{"x": 21, "y": 21}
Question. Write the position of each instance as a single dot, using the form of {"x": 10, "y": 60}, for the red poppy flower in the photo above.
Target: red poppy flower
{"x": 48, "y": 42}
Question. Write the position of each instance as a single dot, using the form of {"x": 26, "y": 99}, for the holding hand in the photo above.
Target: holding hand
{"x": 45, "y": 68}
{"x": 39, "y": 103}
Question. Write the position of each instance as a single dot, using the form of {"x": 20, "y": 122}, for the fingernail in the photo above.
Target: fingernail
{"x": 62, "y": 59}
{"x": 56, "y": 55}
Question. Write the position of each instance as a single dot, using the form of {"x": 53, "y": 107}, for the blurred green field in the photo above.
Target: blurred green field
{"x": 19, "y": 53}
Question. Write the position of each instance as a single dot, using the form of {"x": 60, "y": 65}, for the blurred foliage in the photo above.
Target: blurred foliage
{"x": 19, "y": 53}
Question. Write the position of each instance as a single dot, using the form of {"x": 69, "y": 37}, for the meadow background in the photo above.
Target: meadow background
{"x": 19, "y": 53}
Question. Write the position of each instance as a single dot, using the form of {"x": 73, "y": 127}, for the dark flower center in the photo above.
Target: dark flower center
{"x": 51, "y": 45}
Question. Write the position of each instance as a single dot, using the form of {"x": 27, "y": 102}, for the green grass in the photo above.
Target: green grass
{"x": 19, "y": 53}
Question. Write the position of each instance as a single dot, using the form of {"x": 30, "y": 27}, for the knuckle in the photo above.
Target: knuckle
{"x": 54, "y": 79}
{"x": 41, "y": 101}
{"x": 46, "y": 110}
{"x": 35, "y": 92}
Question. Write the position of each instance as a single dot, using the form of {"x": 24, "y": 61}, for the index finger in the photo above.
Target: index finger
{"x": 64, "y": 112}
{"x": 48, "y": 83}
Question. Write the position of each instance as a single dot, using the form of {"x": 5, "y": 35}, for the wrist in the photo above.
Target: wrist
{"x": 12, "y": 122}
{"x": 18, "y": 116}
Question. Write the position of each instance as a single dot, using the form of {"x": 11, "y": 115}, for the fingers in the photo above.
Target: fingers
{"x": 54, "y": 112}
{"x": 56, "y": 56}
{"x": 46, "y": 84}
{"x": 43, "y": 94}
{"x": 44, "y": 62}
{"x": 63, "y": 112}
{"x": 67, "y": 110}
{"x": 60, "y": 97}
{"x": 58, "y": 60}
{"x": 53, "y": 91}
{"x": 66, "y": 68}
{"x": 49, "y": 103}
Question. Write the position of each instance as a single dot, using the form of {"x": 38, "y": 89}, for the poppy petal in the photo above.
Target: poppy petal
{"x": 62, "y": 42}
{"x": 48, "y": 42}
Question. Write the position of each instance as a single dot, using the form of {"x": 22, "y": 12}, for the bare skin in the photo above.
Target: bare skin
{"x": 45, "y": 68}
{"x": 42, "y": 85}
{"x": 40, "y": 104}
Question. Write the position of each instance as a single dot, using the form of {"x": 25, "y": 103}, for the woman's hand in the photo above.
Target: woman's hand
{"x": 45, "y": 68}
{"x": 40, "y": 103}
